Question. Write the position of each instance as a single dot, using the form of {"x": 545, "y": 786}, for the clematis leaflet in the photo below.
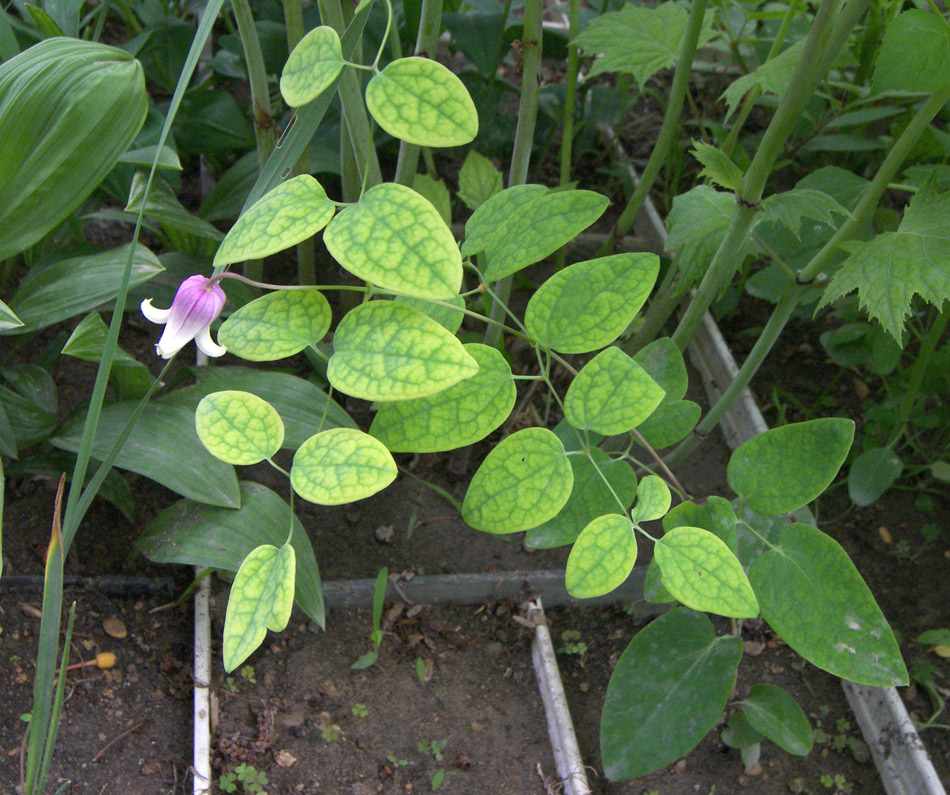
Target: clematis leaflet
{"x": 197, "y": 303}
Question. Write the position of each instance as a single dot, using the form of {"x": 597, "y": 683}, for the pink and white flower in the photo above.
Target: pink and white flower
{"x": 196, "y": 304}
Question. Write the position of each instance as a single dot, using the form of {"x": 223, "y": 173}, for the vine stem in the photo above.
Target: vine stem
{"x": 567, "y": 122}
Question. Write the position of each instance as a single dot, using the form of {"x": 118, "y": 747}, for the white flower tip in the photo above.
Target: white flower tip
{"x": 207, "y": 345}
{"x": 154, "y": 314}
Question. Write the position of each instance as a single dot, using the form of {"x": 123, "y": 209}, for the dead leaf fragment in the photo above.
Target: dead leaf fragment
{"x": 115, "y": 628}
{"x": 286, "y": 759}
{"x": 885, "y": 535}
{"x": 942, "y": 651}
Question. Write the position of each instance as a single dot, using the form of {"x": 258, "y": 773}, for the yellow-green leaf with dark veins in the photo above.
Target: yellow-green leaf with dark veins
{"x": 312, "y": 66}
{"x": 292, "y": 212}
{"x": 450, "y": 319}
{"x": 523, "y": 482}
{"x": 653, "y": 499}
{"x": 611, "y": 394}
{"x": 700, "y": 571}
{"x": 383, "y": 350}
{"x": 461, "y": 415}
{"x": 602, "y": 557}
{"x": 589, "y": 304}
{"x": 787, "y": 467}
{"x": 238, "y": 427}
{"x": 490, "y": 221}
{"x": 397, "y": 240}
{"x": 276, "y": 325}
{"x": 420, "y": 101}
{"x": 262, "y": 596}
{"x": 341, "y": 465}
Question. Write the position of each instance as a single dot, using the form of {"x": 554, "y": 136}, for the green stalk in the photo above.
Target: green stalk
{"x": 807, "y": 74}
{"x": 430, "y": 21}
{"x": 919, "y": 368}
{"x": 351, "y": 97}
{"x": 793, "y": 293}
{"x": 524, "y": 138}
{"x": 668, "y": 131}
{"x": 570, "y": 93}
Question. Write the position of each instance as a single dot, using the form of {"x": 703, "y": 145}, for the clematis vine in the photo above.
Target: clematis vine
{"x": 196, "y": 304}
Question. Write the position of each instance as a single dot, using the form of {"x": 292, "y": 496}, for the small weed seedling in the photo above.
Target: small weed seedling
{"x": 247, "y": 672}
{"x": 359, "y": 710}
{"x": 571, "y": 643}
{"x": 247, "y": 777}
{"x": 437, "y": 778}
{"x": 330, "y": 734}
{"x": 433, "y": 748}
{"x": 837, "y": 783}
{"x": 376, "y": 635}
{"x": 391, "y": 758}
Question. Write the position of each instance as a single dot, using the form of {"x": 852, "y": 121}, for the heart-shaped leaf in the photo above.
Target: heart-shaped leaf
{"x": 653, "y": 499}
{"x": 602, "y": 557}
{"x": 312, "y": 66}
{"x": 341, "y": 465}
{"x": 238, "y": 427}
{"x": 276, "y": 325}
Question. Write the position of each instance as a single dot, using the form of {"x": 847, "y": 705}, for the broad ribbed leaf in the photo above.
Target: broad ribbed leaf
{"x": 602, "y": 557}
{"x": 420, "y": 101}
{"x": 292, "y": 212}
{"x": 397, "y": 240}
{"x": 589, "y": 304}
{"x": 8, "y": 319}
{"x": 238, "y": 427}
{"x": 523, "y": 482}
{"x": 312, "y": 66}
{"x": 276, "y": 325}
{"x": 813, "y": 597}
{"x": 388, "y": 351}
{"x": 459, "y": 416}
{"x": 341, "y": 465}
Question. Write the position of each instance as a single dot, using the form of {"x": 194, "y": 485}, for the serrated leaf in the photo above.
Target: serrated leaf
{"x": 341, "y": 465}
{"x": 421, "y": 102}
{"x": 220, "y": 538}
{"x": 588, "y": 305}
{"x": 785, "y": 468}
{"x": 914, "y": 54}
{"x": 813, "y": 597}
{"x": 397, "y": 240}
{"x": 590, "y": 497}
{"x": 311, "y": 67}
{"x": 889, "y": 270}
{"x": 436, "y": 193}
{"x": 238, "y": 427}
{"x": 775, "y": 714}
{"x": 653, "y": 499}
{"x": 292, "y": 212}
{"x": 663, "y": 361}
{"x": 479, "y": 180}
{"x": 669, "y": 423}
{"x": 261, "y": 598}
{"x": 697, "y": 224}
{"x": 872, "y": 473}
{"x": 701, "y": 572}
{"x": 602, "y": 557}
{"x": 790, "y": 207}
{"x": 638, "y": 40}
{"x": 717, "y": 166}
{"x": 276, "y": 325}
{"x": 666, "y": 692}
{"x": 388, "y": 351}
{"x": 459, "y": 416}
{"x": 772, "y": 77}
{"x": 523, "y": 482}
{"x": 611, "y": 394}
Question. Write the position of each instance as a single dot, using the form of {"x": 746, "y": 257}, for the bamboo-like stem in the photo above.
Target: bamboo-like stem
{"x": 668, "y": 130}
{"x": 257, "y": 76}
{"x": 430, "y": 20}
{"x": 524, "y": 138}
{"x": 351, "y": 97}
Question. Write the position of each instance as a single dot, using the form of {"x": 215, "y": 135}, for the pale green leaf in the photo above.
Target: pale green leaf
{"x": 588, "y": 305}
{"x": 459, "y": 416}
{"x": 420, "y": 101}
{"x": 479, "y": 180}
{"x": 397, "y": 240}
{"x": 292, "y": 212}
{"x": 611, "y": 394}
{"x": 311, "y": 67}
{"x": 666, "y": 692}
{"x": 889, "y": 270}
{"x": 775, "y": 714}
{"x": 590, "y": 497}
{"x": 129, "y": 377}
{"x": 638, "y": 40}
{"x": 872, "y": 473}
{"x": 602, "y": 557}
{"x": 653, "y": 499}
{"x": 787, "y": 467}
{"x": 145, "y": 155}
{"x": 437, "y": 194}
{"x": 276, "y": 325}
{"x": 700, "y": 571}
{"x": 388, "y": 351}
{"x": 220, "y": 538}
{"x": 493, "y": 216}
{"x": 813, "y": 597}
{"x": 442, "y": 312}
{"x": 341, "y": 465}
{"x": 772, "y": 77}
{"x": 261, "y": 598}
{"x": 790, "y": 207}
{"x": 238, "y": 427}
{"x": 914, "y": 54}
{"x": 697, "y": 224}
{"x": 717, "y": 166}
{"x": 523, "y": 482}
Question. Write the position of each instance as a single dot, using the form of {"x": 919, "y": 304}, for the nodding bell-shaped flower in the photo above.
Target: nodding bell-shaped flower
{"x": 197, "y": 303}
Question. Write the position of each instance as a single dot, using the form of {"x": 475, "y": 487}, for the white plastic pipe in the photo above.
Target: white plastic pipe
{"x": 202, "y": 709}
